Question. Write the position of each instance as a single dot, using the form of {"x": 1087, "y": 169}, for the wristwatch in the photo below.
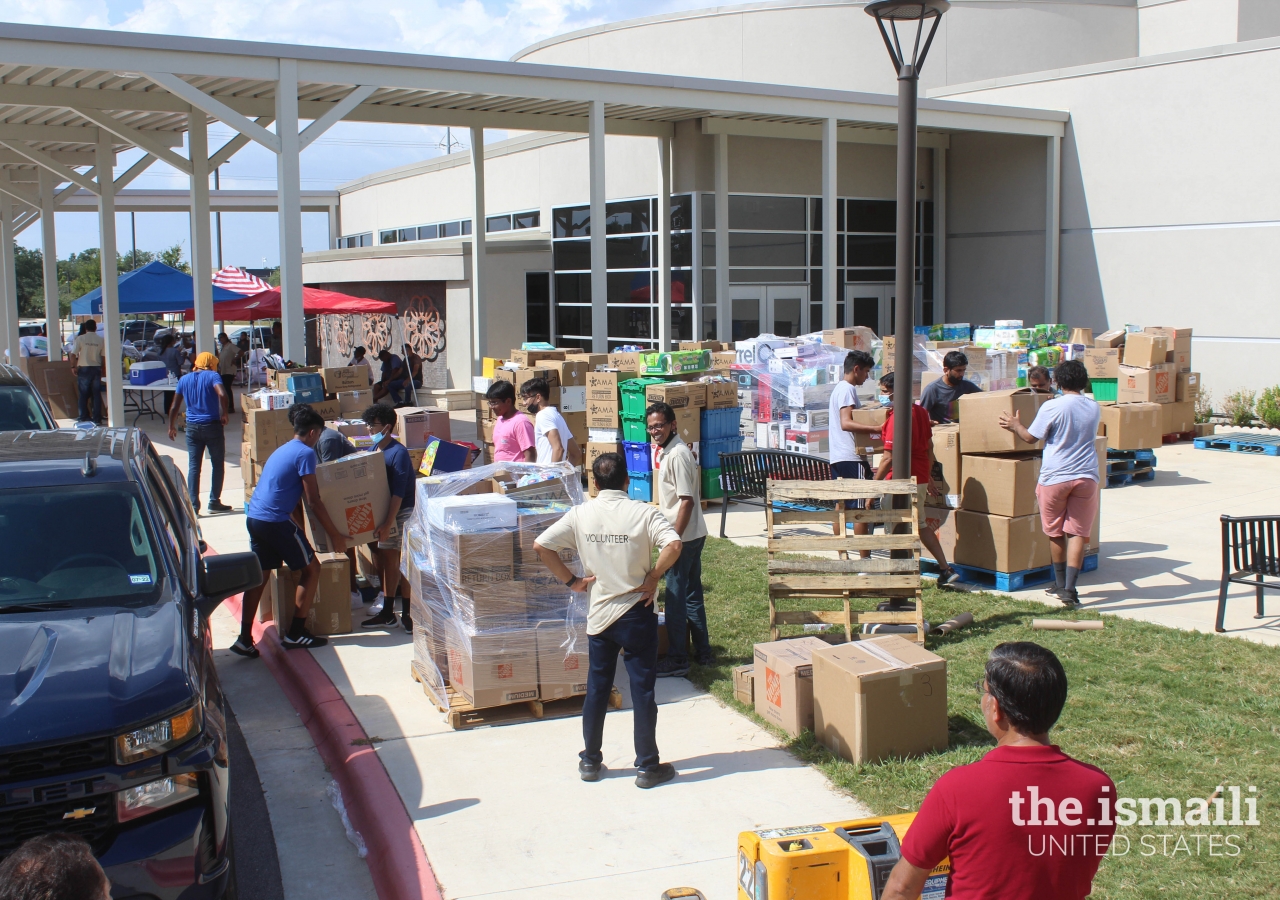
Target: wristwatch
{"x": 572, "y": 579}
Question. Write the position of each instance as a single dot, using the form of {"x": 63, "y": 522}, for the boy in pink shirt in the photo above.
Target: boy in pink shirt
{"x": 512, "y": 431}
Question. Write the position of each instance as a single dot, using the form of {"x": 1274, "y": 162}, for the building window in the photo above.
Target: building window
{"x": 537, "y": 305}
{"x": 356, "y": 240}
{"x": 497, "y": 223}
{"x": 531, "y": 219}
{"x": 387, "y": 237}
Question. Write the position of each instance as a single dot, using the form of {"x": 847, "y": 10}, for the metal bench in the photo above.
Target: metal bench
{"x": 1250, "y": 556}
{"x": 744, "y": 476}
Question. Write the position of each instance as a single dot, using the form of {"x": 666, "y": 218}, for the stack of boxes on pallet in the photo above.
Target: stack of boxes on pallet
{"x": 490, "y": 621}
{"x": 565, "y": 372}
{"x": 1144, "y": 380}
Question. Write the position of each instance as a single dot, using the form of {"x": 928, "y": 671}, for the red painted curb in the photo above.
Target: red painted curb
{"x": 397, "y": 863}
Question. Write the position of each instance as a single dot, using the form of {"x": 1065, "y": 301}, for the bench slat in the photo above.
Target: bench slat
{"x": 809, "y": 543}
{"x": 839, "y": 566}
{"x": 836, "y": 489}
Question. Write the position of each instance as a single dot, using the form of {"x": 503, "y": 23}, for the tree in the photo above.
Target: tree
{"x": 172, "y": 257}
{"x": 29, "y": 268}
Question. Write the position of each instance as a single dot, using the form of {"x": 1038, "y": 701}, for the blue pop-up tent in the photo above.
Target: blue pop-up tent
{"x": 155, "y": 288}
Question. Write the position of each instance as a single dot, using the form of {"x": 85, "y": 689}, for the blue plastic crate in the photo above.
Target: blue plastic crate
{"x": 306, "y": 381}
{"x": 720, "y": 423}
{"x": 308, "y": 395}
{"x": 638, "y": 458}
{"x": 709, "y": 455}
{"x": 640, "y": 487}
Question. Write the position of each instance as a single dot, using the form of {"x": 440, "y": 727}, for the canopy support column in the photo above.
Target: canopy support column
{"x": 289, "y": 200}
{"x": 49, "y": 252}
{"x": 830, "y": 283}
{"x": 665, "y": 334}
{"x": 201, "y": 261}
{"x": 110, "y": 286}
{"x": 9, "y": 289}
{"x": 599, "y": 257}
{"x": 479, "y": 267}
{"x": 724, "y": 307}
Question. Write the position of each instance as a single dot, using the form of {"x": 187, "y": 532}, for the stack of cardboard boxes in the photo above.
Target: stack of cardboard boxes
{"x": 1145, "y": 383}
{"x": 565, "y": 372}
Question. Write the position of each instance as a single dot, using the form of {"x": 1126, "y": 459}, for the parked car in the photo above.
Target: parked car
{"x": 258, "y": 336}
{"x": 139, "y": 331}
{"x": 112, "y": 720}
{"x": 21, "y": 406}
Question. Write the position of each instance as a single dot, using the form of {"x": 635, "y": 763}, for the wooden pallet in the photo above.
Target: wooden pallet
{"x": 1006, "y": 581}
{"x": 1241, "y": 442}
{"x": 850, "y": 577}
{"x": 1120, "y": 479}
{"x": 1178, "y": 436}
{"x": 462, "y": 715}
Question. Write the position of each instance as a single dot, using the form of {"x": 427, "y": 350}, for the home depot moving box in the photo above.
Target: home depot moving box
{"x": 980, "y": 430}
{"x": 354, "y": 491}
{"x": 1144, "y": 350}
{"x": 415, "y": 424}
{"x": 1177, "y": 418}
{"x": 943, "y": 523}
{"x": 1000, "y": 543}
{"x": 345, "y": 378}
{"x": 493, "y": 669}
{"x": 879, "y": 698}
{"x": 561, "y": 673}
{"x": 1188, "y": 386}
{"x": 331, "y": 611}
{"x": 1154, "y": 384}
{"x": 946, "y": 450}
{"x": 1133, "y": 426}
{"x": 1095, "y": 534}
{"x": 785, "y": 687}
{"x": 1001, "y": 485}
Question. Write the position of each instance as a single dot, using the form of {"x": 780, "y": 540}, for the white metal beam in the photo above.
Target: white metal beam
{"x": 201, "y": 243}
{"x": 220, "y": 110}
{"x": 939, "y": 234}
{"x": 49, "y": 260}
{"x": 599, "y": 256}
{"x": 845, "y": 134}
{"x": 139, "y": 139}
{"x": 129, "y": 174}
{"x": 830, "y": 195}
{"x": 1053, "y": 225}
{"x": 479, "y": 265}
{"x": 289, "y": 190}
{"x": 110, "y": 286}
{"x": 21, "y": 192}
{"x": 9, "y": 275}
{"x": 40, "y": 158}
{"x": 231, "y": 147}
{"x": 724, "y": 308}
{"x": 663, "y": 287}
{"x": 332, "y": 116}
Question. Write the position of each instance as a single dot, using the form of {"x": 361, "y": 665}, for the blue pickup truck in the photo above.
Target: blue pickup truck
{"x": 112, "y": 721}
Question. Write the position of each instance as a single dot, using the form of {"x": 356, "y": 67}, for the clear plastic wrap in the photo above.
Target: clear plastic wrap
{"x": 488, "y": 615}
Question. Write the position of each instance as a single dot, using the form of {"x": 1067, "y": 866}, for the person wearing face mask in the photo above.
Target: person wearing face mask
{"x": 552, "y": 439}
{"x": 675, "y": 475}
{"x": 381, "y": 420}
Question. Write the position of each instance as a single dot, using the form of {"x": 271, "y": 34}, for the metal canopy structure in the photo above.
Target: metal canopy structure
{"x": 71, "y": 99}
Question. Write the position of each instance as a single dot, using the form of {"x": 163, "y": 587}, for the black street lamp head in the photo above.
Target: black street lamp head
{"x": 895, "y": 11}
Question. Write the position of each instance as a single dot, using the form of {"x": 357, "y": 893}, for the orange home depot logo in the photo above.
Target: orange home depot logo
{"x": 360, "y": 518}
{"x": 1162, "y": 382}
{"x": 773, "y": 687}
{"x": 506, "y": 670}
{"x": 455, "y": 667}
{"x": 571, "y": 662}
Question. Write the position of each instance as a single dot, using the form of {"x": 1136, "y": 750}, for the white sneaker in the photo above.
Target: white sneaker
{"x": 378, "y": 603}
{"x": 357, "y": 602}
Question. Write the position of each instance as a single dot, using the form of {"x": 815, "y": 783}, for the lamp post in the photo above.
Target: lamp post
{"x": 908, "y": 69}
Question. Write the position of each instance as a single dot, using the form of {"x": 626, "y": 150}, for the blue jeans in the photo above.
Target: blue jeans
{"x": 686, "y": 610}
{"x": 396, "y": 389}
{"x": 636, "y": 633}
{"x": 205, "y": 436}
{"x": 88, "y": 381}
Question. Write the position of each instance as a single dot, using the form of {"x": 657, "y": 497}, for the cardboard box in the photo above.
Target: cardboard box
{"x": 414, "y": 425}
{"x": 597, "y": 450}
{"x": 724, "y": 359}
{"x": 1102, "y": 362}
{"x": 577, "y": 422}
{"x": 528, "y": 359}
{"x": 1177, "y": 418}
{"x": 571, "y": 372}
{"x": 490, "y": 607}
{"x": 248, "y": 472}
{"x": 56, "y": 382}
{"x": 689, "y": 425}
{"x": 279, "y": 378}
{"x": 561, "y": 673}
{"x": 1179, "y": 345}
{"x": 697, "y": 395}
{"x": 266, "y": 430}
{"x": 486, "y": 558}
{"x": 354, "y": 403}
{"x": 786, "y": 670}
{"x": 328, "y": 410}
{"x": 354, "y": 492}
{"x": 331, "y": 611}
{"x": 869, "y": 414}
{"x": 603, "y": 413}
{"x": 345, "y": 378}
{"x": 879, "y": 698}
{"x": 602, "y": 387}
{"x": 946, "y": 450}
{"x": 1000, "y": 543}
{"x": 713, "y": 346}
{"x": 1133, "y": 426}
{"x": 980, "y": 430}
{"x": 722, "y": 395}
{"x": 1143, "y": 350}
{"x": 744, "y": 684}
{"x": 1187, "y": 386}
{"x": 1001, "y": 485}
{"x": 856, "y": 338}
{"x": 1081, "y": 336}
{"x": 673, "y": 393}
{"x": 281, "y": 598}
{"x": 1155, "y": 384}
{"x": 518, "y": 377}
{"x": 943, "y": 523}
{"x": 626, "y": 362}
{"x": 1113, "y": 338}
{"x": 593, "y": 360}
{"x": 494, "y": 669}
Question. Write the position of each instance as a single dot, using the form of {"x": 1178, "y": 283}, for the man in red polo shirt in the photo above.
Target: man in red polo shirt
{"x": 1025, "y": 822}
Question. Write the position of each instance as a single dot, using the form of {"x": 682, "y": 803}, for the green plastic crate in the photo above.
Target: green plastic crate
{"x": 711, "y": 484}
{"x": 632, "y": 391}
{"x": 633, "y": 428}
{"x": 1104, "y": 388}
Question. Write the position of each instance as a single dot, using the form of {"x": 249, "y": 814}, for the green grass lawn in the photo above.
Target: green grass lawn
{"x": 1165, "y": 713}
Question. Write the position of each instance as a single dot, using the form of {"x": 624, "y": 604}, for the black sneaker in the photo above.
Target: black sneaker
{"x": 385, "y": 619}
{"x": 1054, "y": 591}
{"x": 407, "y": 621}
{"x": 948, "y": 577}
{"x": 672, "y": 666}
{"x": 217, "y": 506}
{"x": 590, "y": 771}
{"x": 304, "y": 641}
{"x": 706, "y": 659}
{"x": 655, "y": 775}
{"x": 1070, "y": 599}
{"x": 244, "y": 648}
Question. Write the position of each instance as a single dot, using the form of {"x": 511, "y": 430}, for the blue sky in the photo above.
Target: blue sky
{"x": 492, "y": 30}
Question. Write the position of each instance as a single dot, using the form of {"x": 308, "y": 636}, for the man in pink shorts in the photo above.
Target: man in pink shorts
{"x": 1068, "y": 488}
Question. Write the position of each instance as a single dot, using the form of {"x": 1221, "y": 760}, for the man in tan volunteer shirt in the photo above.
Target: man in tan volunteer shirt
{"x": 87, "y": 357}
{"x": 615, "y": 537}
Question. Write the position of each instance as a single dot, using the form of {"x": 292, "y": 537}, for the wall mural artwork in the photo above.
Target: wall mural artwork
{"x": 419, "y": 323}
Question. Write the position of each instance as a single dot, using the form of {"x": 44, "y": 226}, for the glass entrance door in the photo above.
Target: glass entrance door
{"x": 786, "y": 305}
{"x": 871, "y": 306}
{"x": 746, "y": 302}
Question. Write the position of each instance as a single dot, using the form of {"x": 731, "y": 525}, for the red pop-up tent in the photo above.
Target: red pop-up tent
{"x": 315, "y": 302}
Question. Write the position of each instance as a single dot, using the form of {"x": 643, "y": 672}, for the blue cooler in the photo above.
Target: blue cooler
{"x": 148, "y": 372}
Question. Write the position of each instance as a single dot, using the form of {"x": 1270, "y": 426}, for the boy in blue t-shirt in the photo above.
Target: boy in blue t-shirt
{"x": 401, "y": 479}
{"x": 276, "y": 538}
{"x": 207, "y": 403}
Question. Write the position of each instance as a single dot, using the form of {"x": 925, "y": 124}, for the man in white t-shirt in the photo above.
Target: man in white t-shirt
{"x": 615, "y": 537}
{"x": 552, "y": 438}
{"x": 846, "y": 461}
